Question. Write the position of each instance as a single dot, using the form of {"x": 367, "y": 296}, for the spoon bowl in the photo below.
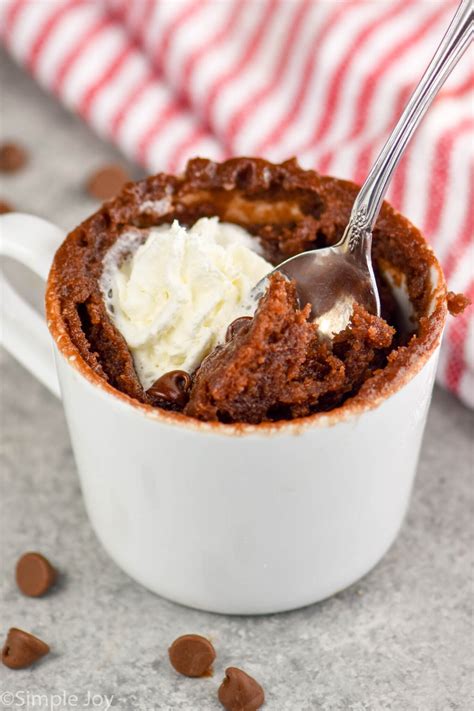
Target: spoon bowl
{"x": 332, "y": 280}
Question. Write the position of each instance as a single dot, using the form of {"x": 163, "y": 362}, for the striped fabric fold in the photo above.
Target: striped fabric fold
{"x": 324, "y": 80}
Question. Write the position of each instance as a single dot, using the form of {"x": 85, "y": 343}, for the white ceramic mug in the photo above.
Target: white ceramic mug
{"x": 245, "y": 519}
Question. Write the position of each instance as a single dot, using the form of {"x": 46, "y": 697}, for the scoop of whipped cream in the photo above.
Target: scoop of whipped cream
{"x": 176, "y": 293}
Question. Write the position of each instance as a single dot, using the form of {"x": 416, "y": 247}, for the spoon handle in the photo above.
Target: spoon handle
{"x": 358, "y": 233}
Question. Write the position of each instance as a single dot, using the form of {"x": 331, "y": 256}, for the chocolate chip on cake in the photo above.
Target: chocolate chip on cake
{"x": 12, "y": 157}
{"x": 34, "y": 574}
{"x": 22, "y": 649}
{"x": 192, "y": 655}
{"x": 107, "y": 182}
{"x": 240, "y": 692}
{"x": 171, "y": 389}
{"x": 5, "y": 207}
{"x": 236, "y": 326}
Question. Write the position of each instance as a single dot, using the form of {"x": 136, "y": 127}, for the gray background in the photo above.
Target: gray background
{"x": 400, "y": 639}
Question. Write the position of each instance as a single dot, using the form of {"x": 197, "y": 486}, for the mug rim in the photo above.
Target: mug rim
{"x": 417, "y": 356}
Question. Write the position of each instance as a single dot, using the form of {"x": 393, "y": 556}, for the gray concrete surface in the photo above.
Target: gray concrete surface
{"x": 401, "y": 639}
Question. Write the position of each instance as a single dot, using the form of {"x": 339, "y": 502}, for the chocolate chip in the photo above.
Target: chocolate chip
{"x": 192, "y": 655}
{"x": 237, "y": 326}
{"x": 5, "y": 207}
{"x": 172, "y": 388}
{"x": 34, "y": 574}
{"x": 240, "y": 692}
{"x": 106, "y": 182}
{"x": 12, "y": 157}
{"x": 22, "y": 649}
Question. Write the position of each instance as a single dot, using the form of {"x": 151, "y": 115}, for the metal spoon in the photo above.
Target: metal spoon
{"x": 334, "y": 278}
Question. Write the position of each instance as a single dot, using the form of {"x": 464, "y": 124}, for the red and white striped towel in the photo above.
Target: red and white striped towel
{"x": 322, "y": 80}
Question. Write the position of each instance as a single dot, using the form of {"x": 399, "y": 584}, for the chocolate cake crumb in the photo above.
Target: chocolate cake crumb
{"x": 457, "y": 303}
{"x": 276, "y": 367}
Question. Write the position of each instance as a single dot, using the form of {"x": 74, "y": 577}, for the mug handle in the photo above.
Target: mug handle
{"x": 31, "y": 241}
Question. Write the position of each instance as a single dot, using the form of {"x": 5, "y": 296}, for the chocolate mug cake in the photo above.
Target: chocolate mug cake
{"x": 228, "y": 368}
